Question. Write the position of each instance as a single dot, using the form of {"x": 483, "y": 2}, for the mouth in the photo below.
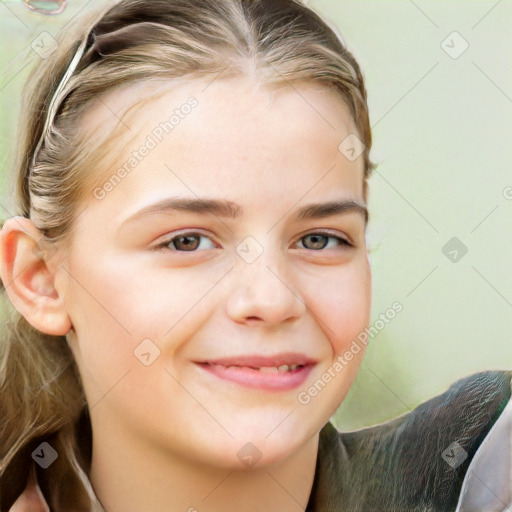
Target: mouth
{"x": 279, "y": 372}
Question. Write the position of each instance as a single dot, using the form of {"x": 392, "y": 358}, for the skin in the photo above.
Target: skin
{"x": 166, "y": 436}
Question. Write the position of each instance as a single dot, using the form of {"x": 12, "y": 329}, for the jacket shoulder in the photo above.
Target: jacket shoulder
{"x": 422, "y": 457}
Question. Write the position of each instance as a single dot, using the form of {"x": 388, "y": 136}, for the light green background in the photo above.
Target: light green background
{"x": 442, "y": 131}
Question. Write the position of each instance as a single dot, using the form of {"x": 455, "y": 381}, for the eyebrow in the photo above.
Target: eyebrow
{"x": 228, "y": 209}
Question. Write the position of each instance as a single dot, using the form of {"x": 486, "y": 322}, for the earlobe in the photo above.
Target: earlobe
{"x": 28, "y": 279}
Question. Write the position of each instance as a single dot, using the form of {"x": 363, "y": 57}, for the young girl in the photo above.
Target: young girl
{"x": 188, "y": 279}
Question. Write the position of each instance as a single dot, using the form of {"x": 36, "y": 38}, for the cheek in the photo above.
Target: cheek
{"x": 345, "y": 307}
{"x": 342, "y": 311}
{"x": 116, "y": 304}
{"x": 104, "y": 308}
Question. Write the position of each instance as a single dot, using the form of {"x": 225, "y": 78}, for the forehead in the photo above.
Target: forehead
{"x": 239, "y": 93}
{"x": 239, "y": 137}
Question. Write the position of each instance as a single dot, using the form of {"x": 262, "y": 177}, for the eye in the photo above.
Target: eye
{"x": 185, "y": 242}
{"x": 191, "y": 242}
{"x": 318, "y": 241}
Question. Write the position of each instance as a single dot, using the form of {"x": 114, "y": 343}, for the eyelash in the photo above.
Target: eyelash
{"x": 344, "y": 244}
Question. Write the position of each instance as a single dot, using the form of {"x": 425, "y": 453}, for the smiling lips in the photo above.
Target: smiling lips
{"x": 279, "y": 372}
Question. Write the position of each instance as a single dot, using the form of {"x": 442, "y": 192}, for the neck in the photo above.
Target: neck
{"x": 130, "y": 477}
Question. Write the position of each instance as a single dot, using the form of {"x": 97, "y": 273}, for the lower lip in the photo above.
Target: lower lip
{"x": 255, "y": 379}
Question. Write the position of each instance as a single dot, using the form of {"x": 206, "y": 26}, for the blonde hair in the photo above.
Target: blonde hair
{"x": 132, "y": 41}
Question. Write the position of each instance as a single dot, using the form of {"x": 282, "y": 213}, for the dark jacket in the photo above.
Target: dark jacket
{"x": 408, "y": 464}
{"x": 398, "y": 466}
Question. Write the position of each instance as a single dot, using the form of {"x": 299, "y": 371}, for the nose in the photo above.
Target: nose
{"x": 264, "y": 291}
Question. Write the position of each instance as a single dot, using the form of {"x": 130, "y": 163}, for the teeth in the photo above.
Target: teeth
{"x": 279, "y": 369}
{"x": 269, "y": 369}
{"x": 264, "y": 369}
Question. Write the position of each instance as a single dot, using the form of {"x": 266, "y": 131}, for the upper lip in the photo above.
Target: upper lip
{"x": 257, "y": 361}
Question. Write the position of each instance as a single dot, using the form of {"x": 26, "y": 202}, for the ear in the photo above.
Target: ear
{"x": 28, "y": 278}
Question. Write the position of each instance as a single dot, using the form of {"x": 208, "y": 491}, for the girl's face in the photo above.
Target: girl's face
{"x": 158, "y": 283}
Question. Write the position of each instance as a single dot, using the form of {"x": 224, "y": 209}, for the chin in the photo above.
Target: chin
{"x": 254, "y": 455}
{"x": 263, "y": 445}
